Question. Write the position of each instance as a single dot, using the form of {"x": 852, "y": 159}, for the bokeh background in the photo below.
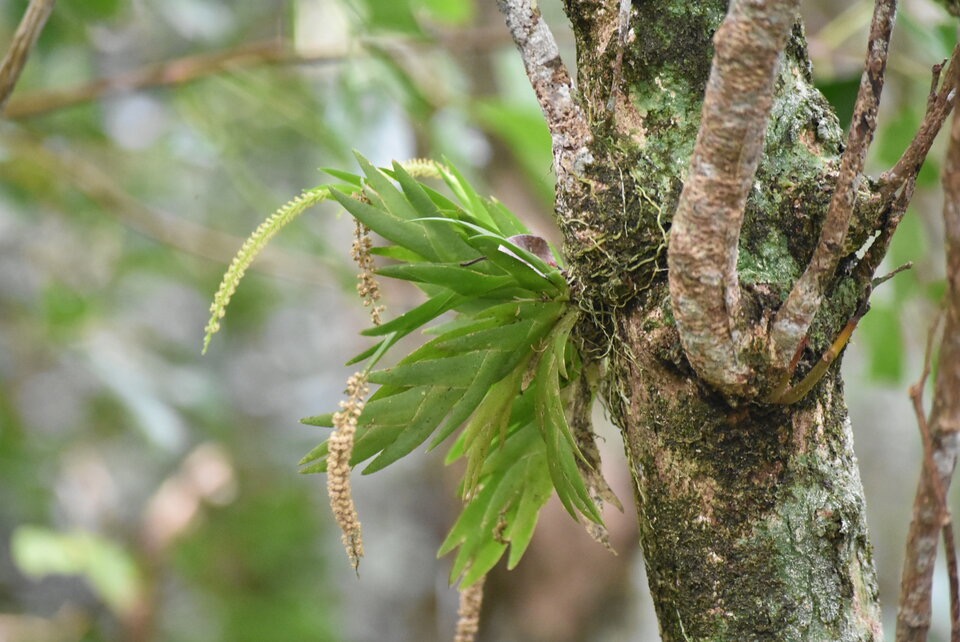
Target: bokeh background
{"x": 149, "y": 494}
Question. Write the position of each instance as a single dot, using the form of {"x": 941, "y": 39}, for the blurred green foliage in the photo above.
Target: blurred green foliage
{"x": 118, "y": 214}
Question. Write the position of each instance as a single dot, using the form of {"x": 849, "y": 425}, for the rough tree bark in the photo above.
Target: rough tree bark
{"x": 751, "y": 514}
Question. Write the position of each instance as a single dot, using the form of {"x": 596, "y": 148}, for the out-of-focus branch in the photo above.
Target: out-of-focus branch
{"x": 187, "y": 69}
{"x": 171, "y": 230}
{"x": 953, "y": 6}
{"x": 793, "y": 320}
{"x": 551, "y": 81}
{"x": 702, "y": 255}
{"x": 23, "y": 39}
{"x": 929, "y": 511}
{"x": 164, "y": 74}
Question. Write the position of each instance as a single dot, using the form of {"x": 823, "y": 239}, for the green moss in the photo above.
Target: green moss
{"x": 769, "y": 262}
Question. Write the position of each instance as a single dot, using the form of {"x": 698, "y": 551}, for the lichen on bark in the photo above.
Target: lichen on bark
{"x": 751, "y": 515}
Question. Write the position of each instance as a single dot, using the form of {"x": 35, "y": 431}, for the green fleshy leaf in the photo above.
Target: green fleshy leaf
{"x": 449, "y": 275}
{"x": 429, "y": 414}
{"x": 416, "y": 318}
{"x": 408, "y": 234}
{"x": 446, "y": 245}
{"x": 322, "y": 421}
{"x": 347, "y": 177}
{"x": 469, "y": 198}
{"x": 456, "y": 371}
{"x": 396, "y": 253}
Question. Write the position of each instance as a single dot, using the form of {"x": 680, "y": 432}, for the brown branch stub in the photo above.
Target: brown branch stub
{"x": 569, "y": 129}
{"x": 702, "y": 255}
{"x": 23, "y": 39}
{"x": 793, "y": 320}
{"x": 913, "y": 617}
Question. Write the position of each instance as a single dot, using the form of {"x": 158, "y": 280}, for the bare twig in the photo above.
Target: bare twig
{"x": 551, "y": 81}
{"x": 953, "y": 578}
{"x": 898, "y": 184}
{"x": 165, "y": 74}
{"x": 929, "y": 512}
{"x": 939, "y": 105}
{"x": 915, "y": 604}
{"x": 793, "y": 320}
{"x": 623, "y": 29}
{"x": 23, "y": 39}
{"x": 800, "y": 390}
{"x": 702, "y": 256}
{"x": 180, "y": 71}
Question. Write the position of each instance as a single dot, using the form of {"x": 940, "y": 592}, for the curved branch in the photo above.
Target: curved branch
{"x": 702, "y": 255}
{"x": 26, "y": 35}
{"x": 793, "y": 320}
{"x": 569, "y": 128}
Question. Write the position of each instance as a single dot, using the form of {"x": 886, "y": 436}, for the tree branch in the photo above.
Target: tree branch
{"x": 913, "y": 619}
{"x": 939, "y": 105}
{"x": 898, "y": 184}
{"x": 163, "y": 74}
{"x": 551, "y": 81}
{"x": 23, "y": 39}
{"x": 180, "y": 71}
{"x": 793, "y": 320}
{"x": 702, "y": 255}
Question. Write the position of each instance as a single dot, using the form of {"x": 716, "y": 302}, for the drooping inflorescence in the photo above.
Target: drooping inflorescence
{"x": 338, "y": 466}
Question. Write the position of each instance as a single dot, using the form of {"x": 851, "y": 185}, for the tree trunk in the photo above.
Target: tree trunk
{"x": 751, "y": 515}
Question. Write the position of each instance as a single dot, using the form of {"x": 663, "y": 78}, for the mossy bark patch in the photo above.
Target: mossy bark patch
{"x": 751, "y": 517}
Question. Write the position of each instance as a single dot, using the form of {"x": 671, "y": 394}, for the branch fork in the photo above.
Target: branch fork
{"x": 746, "y": 358}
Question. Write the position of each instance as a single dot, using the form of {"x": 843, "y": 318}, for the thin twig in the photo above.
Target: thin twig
{"x": 913, "y": 617}
{"x": 793, "y": 320}
{"x": 799, "y": 391}
{"x": 704, "y": 285}
{"x": 898, "y": 184}
{"x": 180, "y": 71}
{"x": 23, "y": 39}
{"x": 939, "y": 104}
{"x": 953, "y": 577}
{"x": 165, "y": 74}
{"x": 553, "y": 86}
{"x": 930, "y": 480}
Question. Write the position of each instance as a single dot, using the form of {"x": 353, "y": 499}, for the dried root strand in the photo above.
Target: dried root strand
{"x": 468, "y": 613}
{"x": 367, "y": 286}
{"x": 338, "y": 467}
{"x": 589, "y": 465}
